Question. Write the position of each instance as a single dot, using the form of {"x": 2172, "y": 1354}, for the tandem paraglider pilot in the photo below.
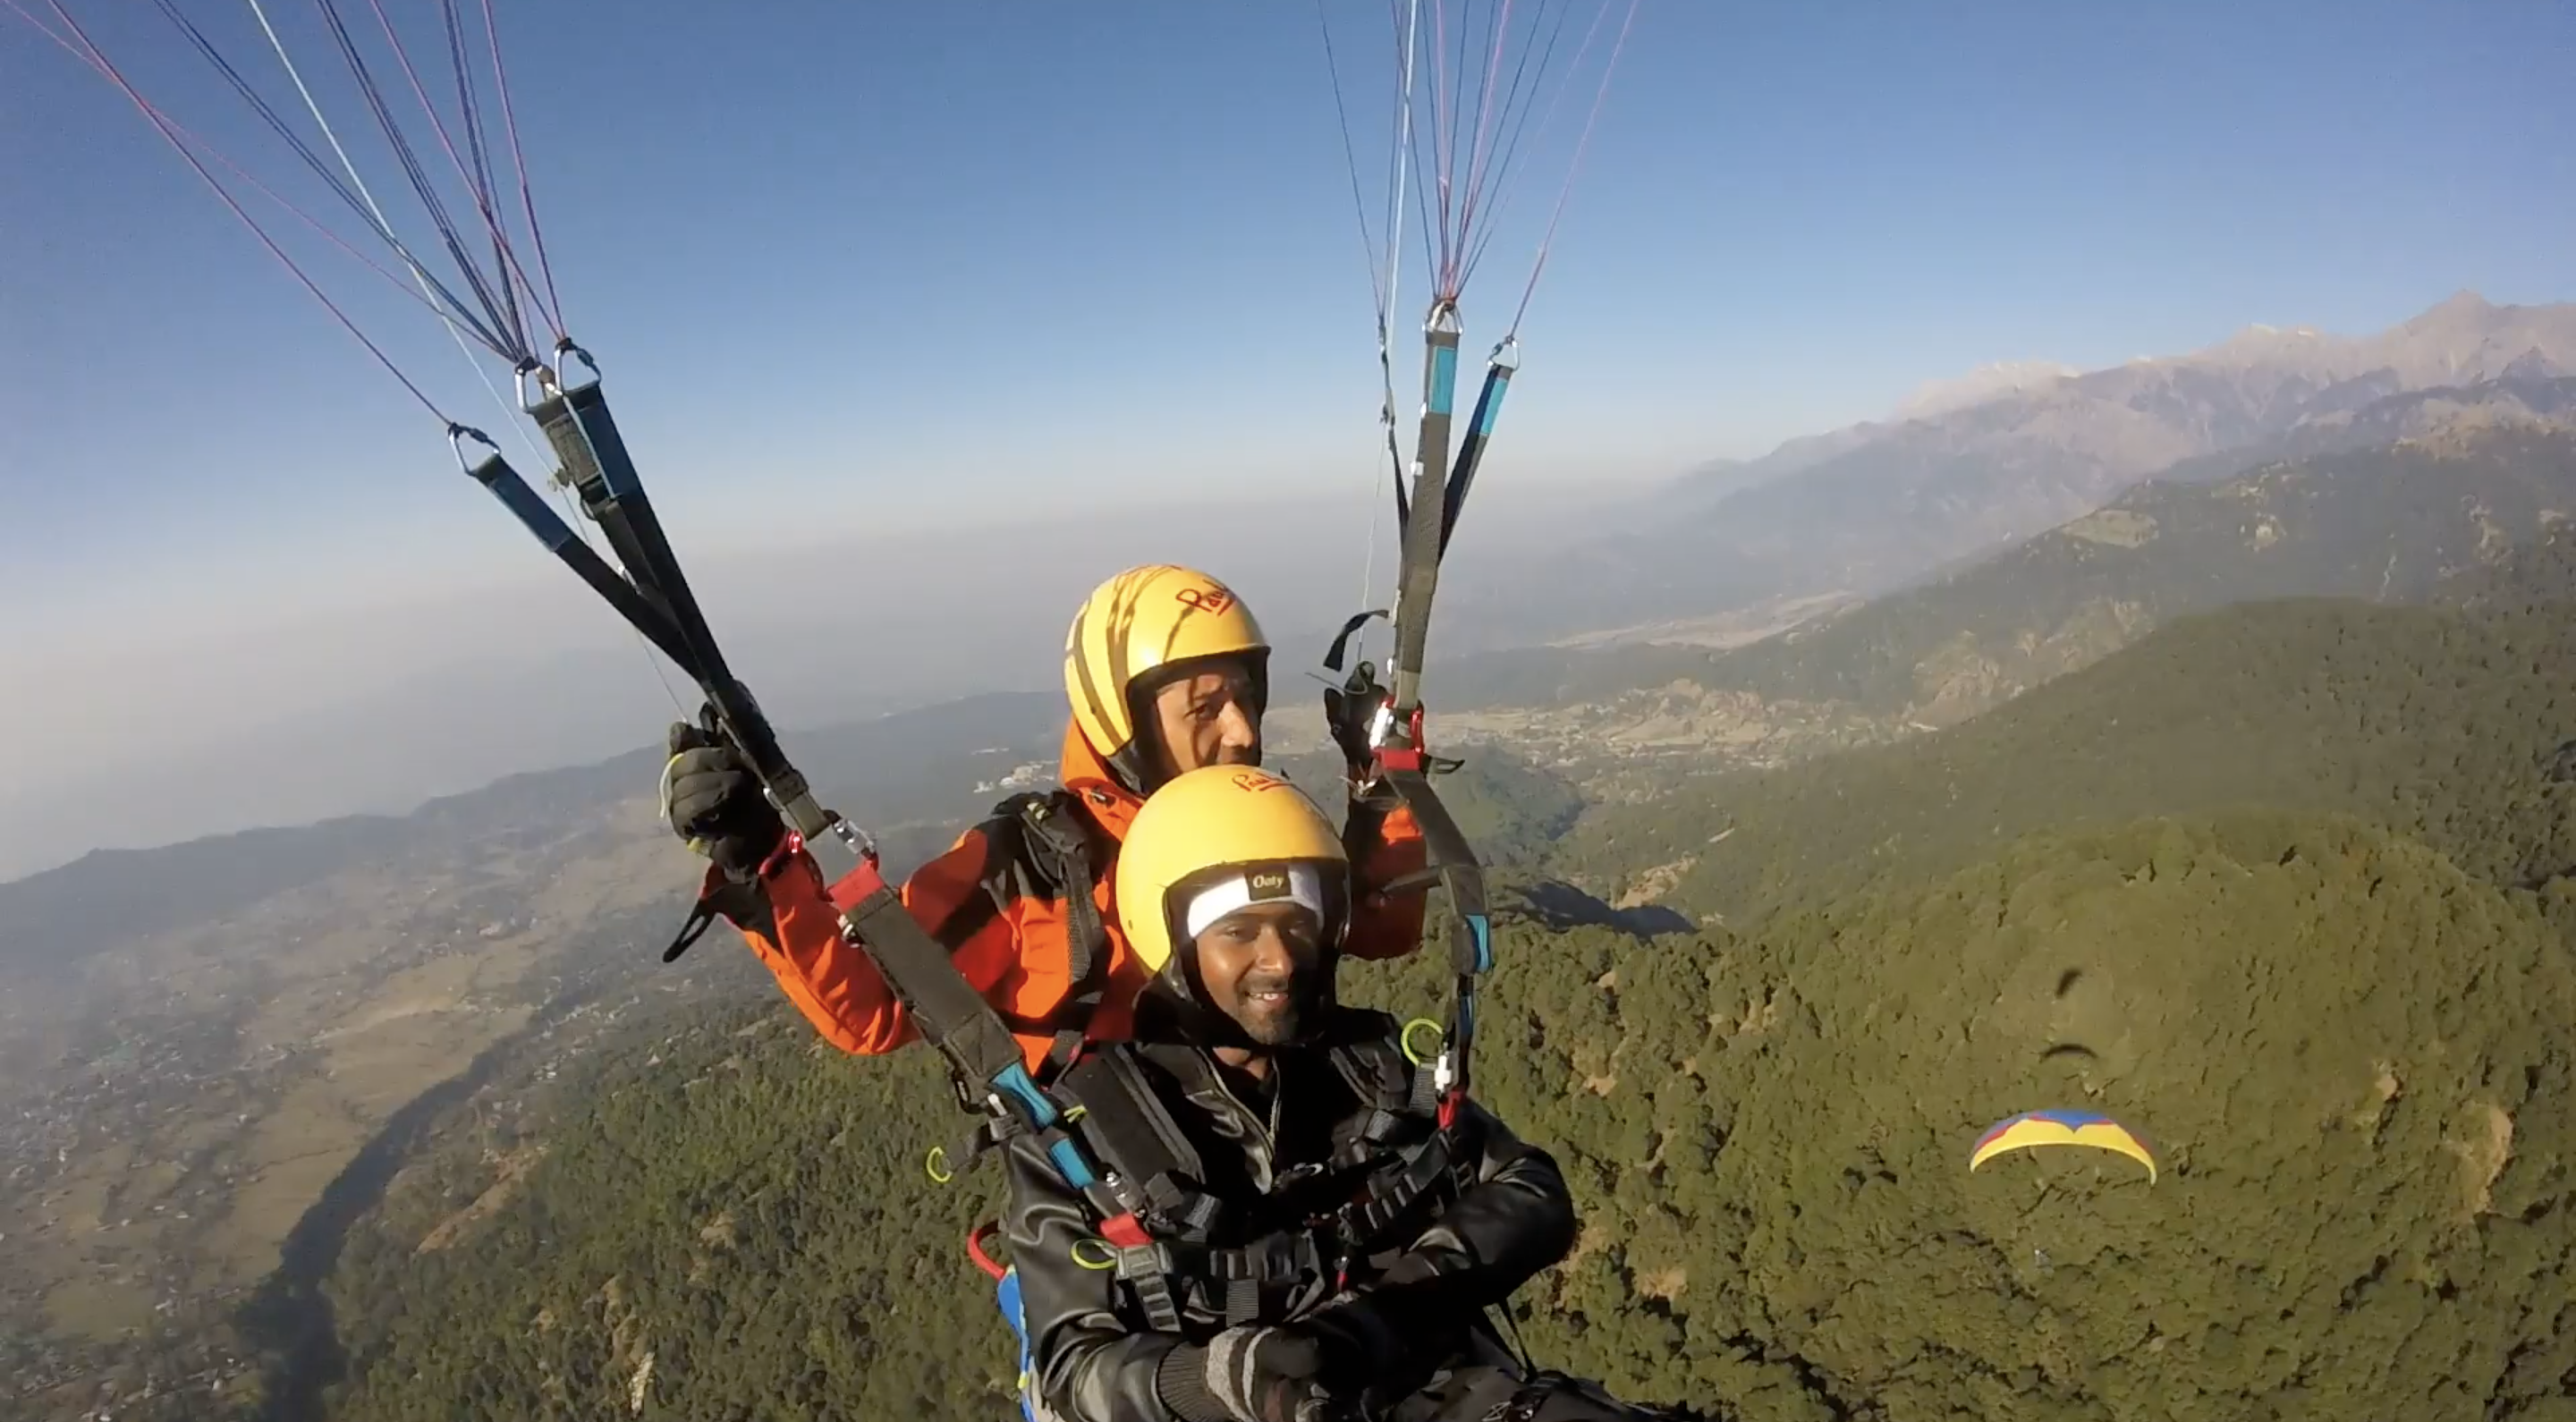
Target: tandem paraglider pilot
{"x": 1165, "y": 671}
{"x": 1284, "y": 1228}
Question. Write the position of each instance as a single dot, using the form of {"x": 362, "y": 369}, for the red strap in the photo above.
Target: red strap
{"x": 862, "y": 880}
{"x": 1125, "y": 1232}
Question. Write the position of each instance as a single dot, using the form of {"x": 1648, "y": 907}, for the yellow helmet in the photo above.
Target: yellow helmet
{"x": 1215, "y": 821}
{"x": 1136, "y": 624}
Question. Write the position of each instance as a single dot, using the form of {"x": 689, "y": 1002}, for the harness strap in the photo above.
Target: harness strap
{"x": 1423, "y": 515}
{"x": 1471, "y": 934}
{"x": 1419, "y": 1098}
{"x": 1233, "y": 1281}
{"x": 950, "y": 1013}
{"x": 1056, "y": 834}
{"x": 1377, "y": 1210}
{"x": 1052, "y": 834}
{"x": 1158, "y": 1227}
{"x": 1130, "y": 1129}
{"x": 1404, "y": 769}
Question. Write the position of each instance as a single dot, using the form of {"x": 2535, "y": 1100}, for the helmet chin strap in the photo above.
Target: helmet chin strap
{"x": 1196, "y": 1021}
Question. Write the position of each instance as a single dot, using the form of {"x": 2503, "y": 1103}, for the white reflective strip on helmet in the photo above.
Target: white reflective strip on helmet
{"x": 1302, "y": 886}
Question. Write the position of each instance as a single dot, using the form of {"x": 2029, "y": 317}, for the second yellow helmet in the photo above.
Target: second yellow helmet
{"x": 1216, "y": 821}
{"x": 1135, "y": 625}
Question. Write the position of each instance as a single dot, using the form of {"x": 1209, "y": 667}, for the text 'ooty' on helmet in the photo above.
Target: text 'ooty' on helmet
{"x": 1220, "y": 835}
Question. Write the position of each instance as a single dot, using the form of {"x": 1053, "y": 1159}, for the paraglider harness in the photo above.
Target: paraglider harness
{"x": 1117, "y": 1144}
{"x": 1158, "y": 1228}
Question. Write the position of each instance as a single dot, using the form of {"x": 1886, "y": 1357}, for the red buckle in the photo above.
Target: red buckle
{"x": 786, "y": 850}
{"x": 1124, "y": 1232}
{"x": 1412, "y": 756}
{"x": 1449, "y": 1109}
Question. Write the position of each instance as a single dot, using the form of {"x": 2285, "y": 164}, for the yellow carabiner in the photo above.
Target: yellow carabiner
{"x": 1109, "y": 1259}
{"x": 1406, "y": 1040}
{"x": 936, "y": 1164}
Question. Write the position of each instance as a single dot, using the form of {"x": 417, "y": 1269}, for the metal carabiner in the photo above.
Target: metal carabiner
{"x": 457, "y": 434}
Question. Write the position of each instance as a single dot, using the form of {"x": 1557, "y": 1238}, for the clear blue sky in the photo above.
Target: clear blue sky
{"x": 979, "y": 257}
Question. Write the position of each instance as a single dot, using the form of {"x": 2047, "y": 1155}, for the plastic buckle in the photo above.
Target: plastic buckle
{"x": 1125, "y": 1232}
{"x": 1151, "y": 1260}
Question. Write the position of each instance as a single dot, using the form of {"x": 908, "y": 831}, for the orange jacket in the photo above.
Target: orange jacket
{"x": 1011, "y": 942}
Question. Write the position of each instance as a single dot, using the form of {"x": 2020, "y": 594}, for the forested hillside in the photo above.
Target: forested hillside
{"x": 2446, "y": 725}
{"x": 2346, "y": 1048}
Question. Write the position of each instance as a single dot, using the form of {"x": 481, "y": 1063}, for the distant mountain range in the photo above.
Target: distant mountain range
{"x": 2480, "y": 475}
{"x": 1880, "y": 504}
{"x": 906, "y": 776}
{"x": 2386, "y": 524}
{"x": 1964, "y": 469}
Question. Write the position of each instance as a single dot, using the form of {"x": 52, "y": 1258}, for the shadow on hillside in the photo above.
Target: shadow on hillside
{"x": 290, "y": 1319}
{"x": 1561, "y": 905}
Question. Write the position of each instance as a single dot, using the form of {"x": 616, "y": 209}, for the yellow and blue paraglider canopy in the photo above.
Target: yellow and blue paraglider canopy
{"x": 2032, "y": 1129}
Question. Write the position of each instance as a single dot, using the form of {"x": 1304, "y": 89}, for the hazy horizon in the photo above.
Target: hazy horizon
{"x": 427, "y": 698}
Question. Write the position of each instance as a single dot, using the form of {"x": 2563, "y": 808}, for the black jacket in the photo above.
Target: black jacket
{"x": 1411, "y": 1301}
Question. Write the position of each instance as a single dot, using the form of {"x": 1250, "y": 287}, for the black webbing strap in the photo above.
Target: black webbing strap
{"x": 1452, "y": 860}
{"x": 1425, "y": 513}
{"x": 950, "y": 1014}
{"x": 1051, "y": 829}
{"x": 1126, "y": 1121}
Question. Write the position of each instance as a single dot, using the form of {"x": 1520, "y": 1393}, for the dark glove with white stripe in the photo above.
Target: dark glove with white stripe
{"x": 714, "y": 802}
{"x": 1258, "y": 1374}
{"x": 1410, "y": 1312}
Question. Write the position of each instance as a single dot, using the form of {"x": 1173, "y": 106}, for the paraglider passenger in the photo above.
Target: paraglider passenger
{"x": 1298, "y": 1238}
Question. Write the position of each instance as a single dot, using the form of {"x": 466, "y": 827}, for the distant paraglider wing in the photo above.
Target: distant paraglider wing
{"x": 2033, "y": 1129}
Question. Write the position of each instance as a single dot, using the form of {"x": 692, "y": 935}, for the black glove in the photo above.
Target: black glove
{"x": 714, "y": 802}
{"x": 1409, "y": 1313}
{"x": 1350, "y": 712}
{"x": 1269, "y": 1375}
